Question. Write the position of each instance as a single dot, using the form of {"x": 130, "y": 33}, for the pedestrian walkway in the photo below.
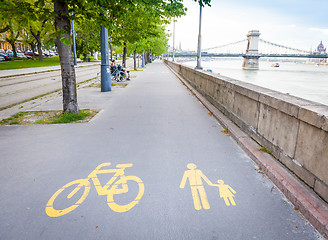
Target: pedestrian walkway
{"x": 153, "y": 164}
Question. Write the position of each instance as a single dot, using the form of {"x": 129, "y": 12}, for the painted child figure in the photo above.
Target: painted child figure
{"x": 226, "y": 192}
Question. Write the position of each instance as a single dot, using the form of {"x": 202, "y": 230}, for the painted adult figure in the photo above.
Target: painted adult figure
{"x": 195, "y": 177}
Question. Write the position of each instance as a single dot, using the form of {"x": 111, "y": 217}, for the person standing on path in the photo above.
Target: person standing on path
{"x": 195, "y": 177}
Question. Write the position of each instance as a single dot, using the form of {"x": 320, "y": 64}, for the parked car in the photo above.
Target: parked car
{"x": 22, "y": 55}
{"x": 52, "y": 53}
{"x": 29, "y": 53}
{"x": 6, "y": 57}
{"x": 2, "y": 59}
{"x": 45, "y": 53}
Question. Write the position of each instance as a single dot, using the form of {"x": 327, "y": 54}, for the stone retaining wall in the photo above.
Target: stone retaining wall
{"x": 293, "y": 129}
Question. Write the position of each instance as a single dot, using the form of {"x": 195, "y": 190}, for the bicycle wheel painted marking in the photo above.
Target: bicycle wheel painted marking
{"x": 124, "y": 208}
{"x": 51, "y": 212}
{"x": 109, "y": 189}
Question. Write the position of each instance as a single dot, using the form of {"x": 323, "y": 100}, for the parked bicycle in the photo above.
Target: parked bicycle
{"x": 117, "y": 75}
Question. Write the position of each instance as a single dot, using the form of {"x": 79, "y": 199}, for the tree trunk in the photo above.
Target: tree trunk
{"x": 124, "y": 56}
{"x": 40, "y": 50}
{"x": 62, "y": 23}
{"x": 14, "y": 49}
{"x": 33, "y": 50}
{"x": 134, "y": 60}
{"x": 39, "y": 44}
{"x": 146, "y": 58}
{"x": 11, "y": 40}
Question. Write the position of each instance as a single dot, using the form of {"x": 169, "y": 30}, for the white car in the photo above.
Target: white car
{"x": 52, "y": 53}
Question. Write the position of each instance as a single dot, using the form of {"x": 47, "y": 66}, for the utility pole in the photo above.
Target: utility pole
{"x": 105, "y": 71}
{"x": 199, "y": 48}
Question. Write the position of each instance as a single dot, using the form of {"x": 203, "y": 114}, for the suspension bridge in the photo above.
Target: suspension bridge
{"x": 253, "y": 48}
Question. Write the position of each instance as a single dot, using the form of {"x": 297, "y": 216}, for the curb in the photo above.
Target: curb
{"x": 313, "y": 208}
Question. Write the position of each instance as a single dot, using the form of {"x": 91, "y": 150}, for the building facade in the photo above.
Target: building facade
{"x": 320, "y": 50}
{"x": 4, "y": 45}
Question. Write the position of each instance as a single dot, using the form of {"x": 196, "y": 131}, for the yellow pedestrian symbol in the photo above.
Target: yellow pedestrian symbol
{"x": 110, "y": 189}
{"x": 198, "y": 193}
{"x": 195, "y": 177}
{"x": 226, "y": 192}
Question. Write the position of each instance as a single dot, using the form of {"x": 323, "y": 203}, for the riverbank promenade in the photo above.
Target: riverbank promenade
{"x": 154, "y": 163}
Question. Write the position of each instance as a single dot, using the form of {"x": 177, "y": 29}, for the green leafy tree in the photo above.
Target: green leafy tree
{"x": 25, "y": 15}
{"x": 158, "y": 43}
{"x": 13, "y": 34}
{"x": 38, "y": 30}
{"x": 87, "y": 37}
{"x": 12, "y": 27}
{"x": 136, "y": 25}
{"x": 29, "y": 39}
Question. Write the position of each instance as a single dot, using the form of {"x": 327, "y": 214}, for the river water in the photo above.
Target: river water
{"x": 306, "y": 81}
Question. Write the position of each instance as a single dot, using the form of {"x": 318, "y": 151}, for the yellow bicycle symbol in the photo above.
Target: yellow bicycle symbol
{"x": 105, "y": 190}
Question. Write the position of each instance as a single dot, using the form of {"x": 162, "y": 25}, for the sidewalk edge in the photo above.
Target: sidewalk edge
{"x": 314, "y": 209}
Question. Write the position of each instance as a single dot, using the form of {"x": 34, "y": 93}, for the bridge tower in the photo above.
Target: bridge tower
{"x": 251, "y": 58}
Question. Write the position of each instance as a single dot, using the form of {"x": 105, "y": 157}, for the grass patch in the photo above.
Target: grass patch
{"x": 119, "y": 84}
{"x": 68, "y": 117}
{"x": 113, "y": 84}
{"x": 263, "y": 149}
{"x": 91, "y": 58}
{"x": 29, "y": 63}
{"x": 49, "y": 117}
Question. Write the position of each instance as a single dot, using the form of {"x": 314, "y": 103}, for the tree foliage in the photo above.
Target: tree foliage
{"x": 203, "y": 2}
{"x": 87, "y": 36}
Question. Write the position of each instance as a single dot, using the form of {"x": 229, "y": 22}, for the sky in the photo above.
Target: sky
{"x": 299, "y": 24}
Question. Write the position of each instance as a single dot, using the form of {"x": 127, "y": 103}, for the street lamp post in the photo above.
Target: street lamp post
{"x": 143, "y": 60}
{"x": 111, "y": 50}
{"x": 199, "y": 48}
{"x": 173, "y": 40}
{"x": 105, "y": 71}
{"x": 74, "y": 44}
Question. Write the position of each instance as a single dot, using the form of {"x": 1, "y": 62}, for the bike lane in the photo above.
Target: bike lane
{"x": 188, "y": 179}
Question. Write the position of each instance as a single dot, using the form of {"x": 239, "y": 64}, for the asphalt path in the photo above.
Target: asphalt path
{"x": 173, "y": 148}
